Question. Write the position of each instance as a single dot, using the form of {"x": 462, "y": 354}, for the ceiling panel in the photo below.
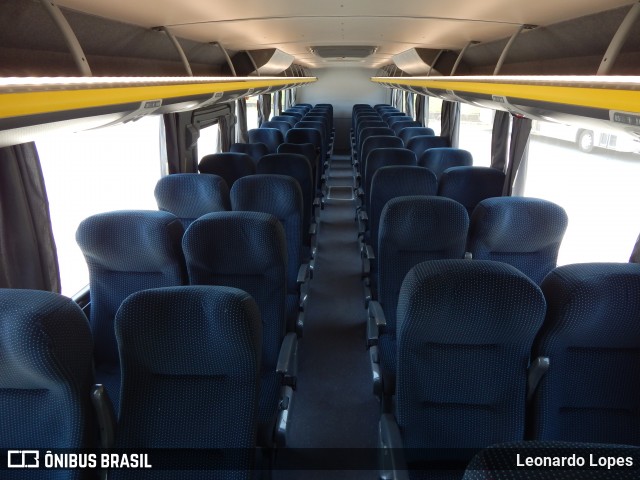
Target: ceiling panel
{"x": 295, "y": 26}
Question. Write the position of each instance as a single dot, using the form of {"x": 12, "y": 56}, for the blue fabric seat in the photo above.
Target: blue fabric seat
{"x": 419, "y": 143}
{"x": 465, "y": 331}
{"x": 255, "y": 150}
{"x": 191, "y": 195}
{"x": 521, "y": 231}
{"x": 314, "y": 137}
{"x": 248, "y": 251}
{"x": 397, "y": 127}
{"x": 126, "y": 251}
{"x": 284, "y": 118}
{"x": 46, "y": 354}
{"x": 192, "y": 383}
{"x": 280, "y": 196}
{"x": 271, "y": 137}
{"x": 283, "y": 126}
{"x": 442, "y": 158}
{"x": 373, "y": 142}
{"x": 471, "y": 185}
{"x": 591, "y": 336}
{"x": 412, "y": 229}
{"x": 229, "y": 166}
{"x": 384, "y": 157}
{"x": 408, "y": 133}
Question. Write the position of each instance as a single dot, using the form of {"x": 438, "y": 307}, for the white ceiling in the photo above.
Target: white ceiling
{"x": 295, "y": 25}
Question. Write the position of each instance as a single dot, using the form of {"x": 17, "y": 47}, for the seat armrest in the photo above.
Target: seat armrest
{"x": 105, "y": 415}
{"x": 313, "y": 227}
{"x": 392, "y": 462}
{"x": 287, "y": 366}
{"x": 367, "y": 252}
{"x": 375, "y": 320}
{"x": 303, "y": 273}
{"x": 536, "y": 371}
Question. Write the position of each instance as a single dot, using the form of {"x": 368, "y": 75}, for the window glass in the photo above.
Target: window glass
{"x": 209, "y": 141}
{"x": 252, "y": 112}
{"x": 476, "y": 124}
{"x": 435, "y": 110}
{"x": 111, "y": 168}
{"x": 599, "y": 190}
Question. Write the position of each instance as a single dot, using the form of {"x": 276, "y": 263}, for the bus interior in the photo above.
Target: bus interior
{"x": 342, "y": 239}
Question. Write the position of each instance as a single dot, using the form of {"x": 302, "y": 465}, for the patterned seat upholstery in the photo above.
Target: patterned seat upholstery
{"x": 193, "y": 383}
{"x": 230, "y": 166}
{"x": 373, "y": 142}
{"x": 191, "y": 195}
{"x": 255, "y": 150}
{"x": 384, "y": 157}
{"x": 46, "y": 378}
{"x": 523, "y": 232}
{"x": 591, "y": 336}
{"x": 413, "y": 229}
{"x": 465, "y": 331}
{"x": 470, "y": 185}
{"x": 271, "y": 137}
{"x": 408, "y": 133}
{"x": 421, "y": 143}
{"x": 248, "y": 251}
{"x": 280, "y": 196}
{"x": 440, "y": 159}
{"x": 126, "y": 251}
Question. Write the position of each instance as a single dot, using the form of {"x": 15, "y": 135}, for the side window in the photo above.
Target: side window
{"x": 111, "y": 168}
{"x": 599, "y": 190}
{"x": 476, "y": 124}
{"x": 252, "y": 112}
{"x": 209, "y": 141}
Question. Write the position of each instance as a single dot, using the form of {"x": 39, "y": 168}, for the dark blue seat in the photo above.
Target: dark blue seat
{"x": 298, "y": 167}
{"x": 126, "y": 251}
{"x": 441, "y": 158}
{"x": 284, "y": 118}
{"x": 384, "y": 157}
{"x": 367, "y": 132}
{"x": 397, "y": 127}
{"x": 408, "y": 133}
{"x": 190, "y": 376}
{"x": 420, "y": 143}
{"x": 412, "y": 229}
{"x": 46, "y": 363}
{"x": 393, "y": 118}
{"x": 523, "y": 232}
{"x": 280, "y": 196}
{"x": 471, "y": 185}
{"x": 320, "y": 126}
{"x": 255, "y": 150}
{"x": 282, "y": 126}
{"x": 229, "y": 166}
{"x": 314, "y": 137}
{"x": 591, "y": 336}
{"x": 465, "y": 330}
{"x": 248, "y": 250}
{"x": 271, "y": 137}
{"x": 191, "y": 195}
{"x": 309, "y": 151}
{"x": 373, "y": 142}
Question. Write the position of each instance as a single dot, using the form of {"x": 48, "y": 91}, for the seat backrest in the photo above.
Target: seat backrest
{"x": 193, "y": 383}
{"x": 415, "y": 229}
{"x": 46, "y": 364}
{"x": 591, "y": 335}
{"x": 282, "y": 126}
{"x": 191, "y": 195}
{"x": 271, "y": 137}
{"x": 297, "y": 116}
{"x": 384, "y": 157}
{"x": 309, "y": 151}
{"x": 284, "y": 118}
{"x": 440, "y": 159}
{"x": 308, "y": 135}
{"x": 280, "y": 196}
{"x": 397, "y": 127}
{"x": 471, "y": 185}
{"x": 396, "y": 181}
{"x": 465, "y": 330}
{"x": 408, "y": 133}
{"x": 367, "y": 132}
{"x": 391, "y": 121}
{"x": 255, "y": 150}
{"x": 296, "y": 166}
{"x": 392, "y": 113}
{"x": 523, "y": 232}
{"x": 373, "y": 142}
{"x": 245, "y": 250}
{"x": 317, "y": 125}
{"x": 230, "y": 166}
{"x": 420, "y": 143}
{"x": 127, "y": 251}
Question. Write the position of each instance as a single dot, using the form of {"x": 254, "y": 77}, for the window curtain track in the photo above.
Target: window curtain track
{"x": 27, "y": 247}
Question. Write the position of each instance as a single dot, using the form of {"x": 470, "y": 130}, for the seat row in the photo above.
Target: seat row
{"x": 192, "y": 360}
{"x": 130, "y": 251}
{"x": 486, "y": 356}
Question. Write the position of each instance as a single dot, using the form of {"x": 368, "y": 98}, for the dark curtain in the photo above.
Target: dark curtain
{"x": 226, "y": 134}
{"x": 450, "y": 122}
{"x": 27, "y": 248}
{"x": 410, "y": 105}
{"x": 277, "y": 103}
{"x": 517, "y": 152}
{"x": 171, "y": 141}
{"x": 422, "y": 101}
{"x": 241, "y": 112}
{"x": 500, "y": 140}
{"x": 264, "y": 108}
